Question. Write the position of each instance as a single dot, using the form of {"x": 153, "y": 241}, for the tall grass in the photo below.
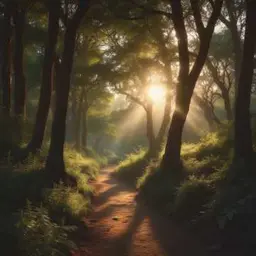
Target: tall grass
{"x": 132, "y": 167}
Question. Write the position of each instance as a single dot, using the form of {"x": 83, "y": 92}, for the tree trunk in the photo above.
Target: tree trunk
{"x": 227, "y": 105}
{"x": 84, "y": 130}
{"x": 222, "y": 87}
{"x": 243, "y": 135}
{"x": 78, "y": 130}
{"x": 187, "y": 79}
{"x": 236, "y": 38}
{"x": 165, "y": 122}
{"x": 47, "y": 78}
{"x": 150, "y": 130}
{"x": 19, "y": 77}
{"x": 55, "y": 160}
{"x": 208, "y": 111}
{"x": 84, "y": 122}
{"x": 6, "y": 67}
{"x": 171, "y": 158}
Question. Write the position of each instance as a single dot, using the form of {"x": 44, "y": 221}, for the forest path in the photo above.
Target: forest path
{"x": 120, "y": 226}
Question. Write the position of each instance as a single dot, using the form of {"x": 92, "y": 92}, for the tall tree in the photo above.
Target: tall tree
{"x": 55, "y": 160}
{"x": 243, "y": 135}
{"x": 47, "y": 76}
{"x": 6, "y": 63}
{"x": 234, "y": 11}
{"x": 19, "y": 18}
{"x": 187, "y": 76}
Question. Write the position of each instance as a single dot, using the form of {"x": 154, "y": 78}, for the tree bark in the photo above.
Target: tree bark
{"x": 165, "y": 122}
{"x": 55, "y": 160}
{"x": 243, "y": 149}
{"x": 47, "y": 78}
{"x": 150, "y": 129}
{"x": 227, "y": 104}
{"x": 79, "y": 117}
{"x": 236, "y": 38}
{"x": 187, "y": 79}
{"x": 6, "y": 67}
{"x": 84, "y": 122}
{"x": 19, "y": 77}
{"x": 84, "y": 130}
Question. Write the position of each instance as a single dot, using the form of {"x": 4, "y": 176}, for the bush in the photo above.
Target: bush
{"x": 202, "y": 169}
{"x": 40, "y": 236}
{"x": 52, "y": 206}
{"x": 236, "y": 198}
{"x": 191, "y": 198}
{"x": 66, "y": 203}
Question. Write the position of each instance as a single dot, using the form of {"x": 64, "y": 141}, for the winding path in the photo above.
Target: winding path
{"x": 118, "y": 226}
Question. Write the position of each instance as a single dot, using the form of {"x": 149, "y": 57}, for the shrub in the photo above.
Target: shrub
{"x": 203, "y": 171}
{"x": 191, "y": 198}
{"x": 40, "y": 236}
{"x": 60, "y": 204}
{"x": 67, "y": 203}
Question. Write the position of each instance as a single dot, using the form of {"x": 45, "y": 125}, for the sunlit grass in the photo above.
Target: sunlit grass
{"x": 132, "y": 167}
{"x": 59, "y": 205}
{"x": 65, "y": 200}
{"x": 203, "y": 165}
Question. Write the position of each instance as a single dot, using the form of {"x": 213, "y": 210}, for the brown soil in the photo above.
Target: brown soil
{"x": 119, "y": 226}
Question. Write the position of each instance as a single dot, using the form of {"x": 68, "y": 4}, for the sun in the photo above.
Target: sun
{"x": 156, "y": 93}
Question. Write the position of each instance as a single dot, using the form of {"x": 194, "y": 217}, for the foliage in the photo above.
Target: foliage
{"x": 52, "y": 207}
{"x": 203, "y": 168}
{"x": 39, "y": 235}
{"x": 191, "y": 197}
{"x": 66, "y": 202}
{"x": 132, "y": 167}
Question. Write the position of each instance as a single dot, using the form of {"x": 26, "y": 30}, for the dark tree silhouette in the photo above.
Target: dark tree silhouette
{"x": 243, "y": 149}
{"x": 19, "y": 19}
{"x": 47, "y": 77}
{"x": 6, "y": 63}
{"x": 55, "y": 160}
{"x": 187, "y": 77}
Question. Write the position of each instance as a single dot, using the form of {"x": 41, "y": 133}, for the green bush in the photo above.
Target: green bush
{"x": 235, "y": 200}
{"x": 65, "y": 202}
{"x": 40, "y": 236}
{"x": 203, "y": 170}
{"x": 60, "y": 204}
{"x": 191, "y": 198}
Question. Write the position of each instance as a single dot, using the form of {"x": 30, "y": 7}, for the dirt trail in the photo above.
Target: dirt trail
{"x": 119, "y": 226}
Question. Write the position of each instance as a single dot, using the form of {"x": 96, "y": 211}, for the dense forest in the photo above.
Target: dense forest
{"x": 127, "y": 127}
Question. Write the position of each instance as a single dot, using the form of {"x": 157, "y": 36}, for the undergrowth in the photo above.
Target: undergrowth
{"x": 214, "y": 190}
{"x": 36, "y": 218}
{"x": 132, "y": 167}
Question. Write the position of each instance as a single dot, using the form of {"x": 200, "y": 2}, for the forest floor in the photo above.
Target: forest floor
{"x": 120, "y": 226}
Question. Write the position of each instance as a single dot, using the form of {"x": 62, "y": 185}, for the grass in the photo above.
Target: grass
{"x": 42, "y": 226}
{"x": 132, "y": 167}
{"x": 201, "y": 164}
{"x": 213, "y": 193}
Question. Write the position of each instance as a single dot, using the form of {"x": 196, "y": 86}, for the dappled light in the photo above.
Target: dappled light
{"x": 127, "y": 128}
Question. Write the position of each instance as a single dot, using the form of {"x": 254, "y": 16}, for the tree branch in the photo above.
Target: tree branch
{"x": 133, "y": 98}
{"x": 198, "y": 18}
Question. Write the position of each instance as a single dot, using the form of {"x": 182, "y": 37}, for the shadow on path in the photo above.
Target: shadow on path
{"x": 120, "y": 226}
